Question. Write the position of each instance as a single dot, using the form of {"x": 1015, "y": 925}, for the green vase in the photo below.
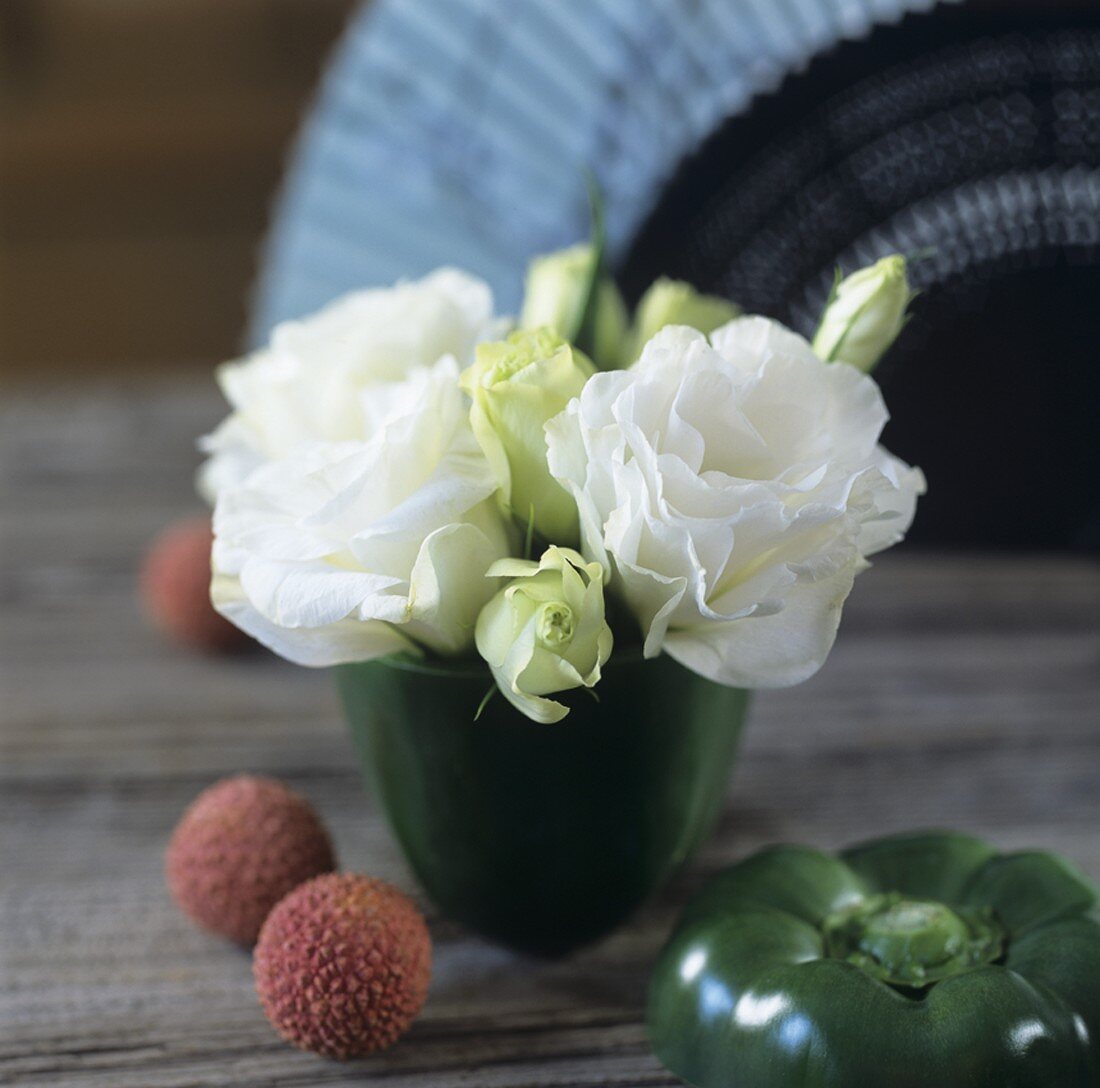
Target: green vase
{"x": 544, "y": 837}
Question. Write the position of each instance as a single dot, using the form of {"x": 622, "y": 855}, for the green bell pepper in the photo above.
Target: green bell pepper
{"x": 919, "y": 961}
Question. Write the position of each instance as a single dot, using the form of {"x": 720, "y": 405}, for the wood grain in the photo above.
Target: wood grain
{"x": 964, "y": 691}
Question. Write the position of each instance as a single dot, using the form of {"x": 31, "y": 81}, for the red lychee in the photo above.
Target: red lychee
{"x": 342, "y": 965}
{"x": 238, "y": 849}
{"x": 175, "y": 588}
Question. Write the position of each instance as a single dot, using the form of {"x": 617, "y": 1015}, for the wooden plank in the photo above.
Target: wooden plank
{"x": 963, "y": 691}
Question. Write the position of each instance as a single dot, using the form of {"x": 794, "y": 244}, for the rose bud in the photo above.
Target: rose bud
{"x": 516, "y": 385}
{"x": 865, "y": 314}
{"x": 545, "y": 632}
{"x": 555, "y": 294}
{"x": 674, "y": 302}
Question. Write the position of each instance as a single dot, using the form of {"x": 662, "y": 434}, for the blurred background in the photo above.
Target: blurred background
{"x": 140, "y": 147}
{"x": 748, "y": 146}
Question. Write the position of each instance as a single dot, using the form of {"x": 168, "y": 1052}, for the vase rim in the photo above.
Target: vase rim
{"x": 470, "y": 668}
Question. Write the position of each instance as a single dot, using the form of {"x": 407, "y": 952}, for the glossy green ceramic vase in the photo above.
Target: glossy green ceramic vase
{"x": 544, "y": 837}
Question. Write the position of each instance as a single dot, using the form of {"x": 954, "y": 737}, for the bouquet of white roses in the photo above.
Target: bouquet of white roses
{"x": 406, "y": 472}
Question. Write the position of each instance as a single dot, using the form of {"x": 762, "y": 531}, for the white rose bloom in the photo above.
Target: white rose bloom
{"x": 330, "y": 376}
{"x": 344, "y": 551}
{"x": 733, "y": 488}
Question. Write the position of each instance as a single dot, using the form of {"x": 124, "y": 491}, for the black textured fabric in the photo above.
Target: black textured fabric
{"x": 968, "y": 138}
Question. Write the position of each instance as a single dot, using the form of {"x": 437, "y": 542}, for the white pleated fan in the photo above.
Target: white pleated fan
{"x": 458, "y": 131}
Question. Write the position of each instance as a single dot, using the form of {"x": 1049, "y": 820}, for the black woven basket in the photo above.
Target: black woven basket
{"x": 969, "y": 138}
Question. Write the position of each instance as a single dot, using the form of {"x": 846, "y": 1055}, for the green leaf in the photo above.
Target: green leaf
{"x": 586, "y": 333}
{"x": 529, "y": 536}
{"x": 485, "y": 701}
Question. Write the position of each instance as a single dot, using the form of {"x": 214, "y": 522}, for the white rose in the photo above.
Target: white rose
{"x": 734, "y": 490}
{"x": 331, "y": 376}
{"x": 344, "y": 551}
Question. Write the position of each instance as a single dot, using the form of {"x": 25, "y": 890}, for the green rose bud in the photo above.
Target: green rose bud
{"x": 673, "y": 302}
{"x": 545, "y": 632}
{"x": 555, "y": 295}
{"x": 865, "y": 314}
{"x": 516, "y": 385}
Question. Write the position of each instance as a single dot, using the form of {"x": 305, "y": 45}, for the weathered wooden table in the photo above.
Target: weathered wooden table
{"x": 964, "y": 691}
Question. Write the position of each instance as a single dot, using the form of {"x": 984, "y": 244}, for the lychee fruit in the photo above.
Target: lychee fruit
{"x": 238, "y": 849}
{"x": 342, "y": 965}
{"x": 175, "y": 588}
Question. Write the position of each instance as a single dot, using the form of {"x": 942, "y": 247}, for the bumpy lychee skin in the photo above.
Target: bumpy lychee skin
{"x": 342, "y": 965}
{"x": 175, "y": 589}
{"x": 238, "y": 849}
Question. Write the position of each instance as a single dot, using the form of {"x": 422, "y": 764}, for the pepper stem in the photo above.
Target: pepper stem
{"x": 912, "y": 943}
